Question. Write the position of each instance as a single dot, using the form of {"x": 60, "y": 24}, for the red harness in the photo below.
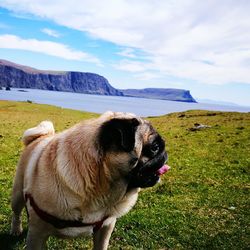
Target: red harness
{"x": 60, "y": 223}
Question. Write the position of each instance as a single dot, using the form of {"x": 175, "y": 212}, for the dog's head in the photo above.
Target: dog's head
{"x": 133, "y": 149}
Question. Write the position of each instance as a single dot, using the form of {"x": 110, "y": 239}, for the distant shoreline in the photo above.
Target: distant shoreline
{"x": 101, "y": 103}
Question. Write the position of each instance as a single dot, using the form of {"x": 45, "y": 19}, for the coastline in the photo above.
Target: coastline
{"x": 101, "y": 103}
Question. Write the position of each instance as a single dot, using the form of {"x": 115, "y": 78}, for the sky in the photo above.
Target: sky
{"x": 201, "y": 46}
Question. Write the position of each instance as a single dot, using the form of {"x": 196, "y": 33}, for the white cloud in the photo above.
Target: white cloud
{"x": 132, "y": 66}
{"x": 147, "y": 76}
{"x": 51, "y": 32}
{"x": 46, "y": 47}
{"x": 205, "y": 41}
{"x": 127, "y": 52}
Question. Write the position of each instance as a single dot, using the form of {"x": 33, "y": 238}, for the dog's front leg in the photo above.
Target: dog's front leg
{"x": 102, "y": 236}
{"x": 36, "y": 240}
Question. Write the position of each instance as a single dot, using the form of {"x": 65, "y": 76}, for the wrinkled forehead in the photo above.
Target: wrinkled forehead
{"x": 145, "y": 131}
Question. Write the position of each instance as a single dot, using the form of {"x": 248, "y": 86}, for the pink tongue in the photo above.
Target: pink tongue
{"x": 163, "y": 170}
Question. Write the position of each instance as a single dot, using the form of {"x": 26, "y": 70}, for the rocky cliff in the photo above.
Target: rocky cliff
{"x": 18, "y": 76}
{"x": 180, "y": 95}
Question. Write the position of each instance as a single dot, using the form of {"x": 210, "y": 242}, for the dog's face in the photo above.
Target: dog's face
{"x": 133, "y": 149}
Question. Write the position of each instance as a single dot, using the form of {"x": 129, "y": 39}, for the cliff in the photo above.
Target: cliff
{"x": 180, "y": 95}
{"x": 18, "y": 76}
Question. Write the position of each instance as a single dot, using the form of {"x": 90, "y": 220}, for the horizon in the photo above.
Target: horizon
{"x": 192, "y": 45}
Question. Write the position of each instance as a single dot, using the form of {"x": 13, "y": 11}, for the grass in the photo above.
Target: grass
{"x": 202, "y": 203}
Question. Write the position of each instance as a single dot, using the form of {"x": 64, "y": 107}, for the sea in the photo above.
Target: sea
{"x": 100, "y": 103}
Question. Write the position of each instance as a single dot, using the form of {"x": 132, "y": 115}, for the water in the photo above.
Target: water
{"x": 100, "y": 104}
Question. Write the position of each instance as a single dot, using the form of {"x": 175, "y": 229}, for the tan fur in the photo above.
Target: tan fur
{"x": 69, "y": 178}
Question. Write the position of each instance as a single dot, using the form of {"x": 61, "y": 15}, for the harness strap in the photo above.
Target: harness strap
{"x": 60, "y": 223}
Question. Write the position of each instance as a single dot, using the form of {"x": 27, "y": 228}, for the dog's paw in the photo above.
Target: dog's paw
{"x": 16, "y": 228}
{"x": 16, "y": 231}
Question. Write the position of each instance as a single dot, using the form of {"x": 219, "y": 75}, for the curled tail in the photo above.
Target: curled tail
{"x": 31, "y": 134}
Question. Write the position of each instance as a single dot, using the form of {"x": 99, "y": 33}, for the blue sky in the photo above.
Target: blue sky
{"x": 202, "y": 46}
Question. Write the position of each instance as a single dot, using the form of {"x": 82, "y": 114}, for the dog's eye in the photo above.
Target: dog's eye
{"x": 154, "y": 148}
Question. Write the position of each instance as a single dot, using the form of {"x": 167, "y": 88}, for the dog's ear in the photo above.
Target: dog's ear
{"x": 118, "y": 134}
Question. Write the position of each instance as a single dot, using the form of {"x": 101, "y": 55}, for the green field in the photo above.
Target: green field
{"x": 202, "y": 203}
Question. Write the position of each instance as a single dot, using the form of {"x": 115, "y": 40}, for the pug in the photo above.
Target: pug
{"x": 79, "y": 181}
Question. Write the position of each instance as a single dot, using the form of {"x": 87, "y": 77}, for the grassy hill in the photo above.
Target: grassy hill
{"x": 202, "y": 203}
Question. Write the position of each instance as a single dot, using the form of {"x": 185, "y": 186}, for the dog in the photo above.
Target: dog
{"x": 81, "y": 180}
